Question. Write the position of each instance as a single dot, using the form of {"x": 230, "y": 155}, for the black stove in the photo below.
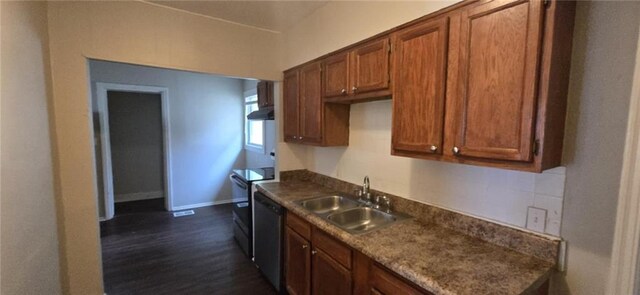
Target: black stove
{"x": 241, "y": 180}
{"x": 255, "y": 174}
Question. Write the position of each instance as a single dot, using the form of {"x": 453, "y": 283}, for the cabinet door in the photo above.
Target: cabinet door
{"x": 498, "y": 69}
{"x": 329, "y": 277}
{"x": 262, "y": 91}
{"x": 420, "y": 61}
{"x": 336, "y": 75}
{"x": 290, "y": 106}
{"x": 270, "y": 100}
{"x": 369, "y": 68}
{"x": 311, "y": 103}
{"x": 297, "y": 263}
{"x": 383, "y": 282}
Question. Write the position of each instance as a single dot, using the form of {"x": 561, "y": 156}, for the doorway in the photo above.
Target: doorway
{"x": 135, "y": 144}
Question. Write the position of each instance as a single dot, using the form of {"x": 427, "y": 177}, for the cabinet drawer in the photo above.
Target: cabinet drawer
{"x": 300, "y": 226}
{"x": 383, "y": 281}
{"x": 337, "y": 250}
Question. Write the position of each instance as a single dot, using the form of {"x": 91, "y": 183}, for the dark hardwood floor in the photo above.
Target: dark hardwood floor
{"x": 145, "y": 250}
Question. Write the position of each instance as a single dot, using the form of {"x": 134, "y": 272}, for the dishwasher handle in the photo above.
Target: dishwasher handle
{"x": 268, "y": 203}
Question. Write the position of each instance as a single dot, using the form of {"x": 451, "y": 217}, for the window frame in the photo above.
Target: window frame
{"x": 249, "y": 146}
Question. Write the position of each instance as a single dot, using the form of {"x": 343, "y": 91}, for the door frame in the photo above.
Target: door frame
{"x": 105, "y": 141}
{"x": 624, "y": 274}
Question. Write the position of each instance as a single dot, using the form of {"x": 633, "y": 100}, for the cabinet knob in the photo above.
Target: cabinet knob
{"x": 344, "y": 91}
{"x": 295, "y": 137}
{"x": 313, "y": 252}
{"x": 433, "y": 148}
{"x": 305, "y": 246}
{"x": 300, "y": 137}
{"x": 354, "y": 89}
{"x": 456, "y": 150}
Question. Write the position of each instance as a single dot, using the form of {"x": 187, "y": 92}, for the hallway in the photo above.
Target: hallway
{"x": 145, "y": 250}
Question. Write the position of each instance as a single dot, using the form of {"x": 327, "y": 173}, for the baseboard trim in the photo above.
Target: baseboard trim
{"x": 138, "y": 196}
{"x": 205, "y": 204}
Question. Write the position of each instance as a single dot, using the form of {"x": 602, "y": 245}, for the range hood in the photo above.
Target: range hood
{"x": 261, "y": 114}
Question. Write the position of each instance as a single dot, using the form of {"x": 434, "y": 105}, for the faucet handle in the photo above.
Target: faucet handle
{"x": 357, "y": 192}
{"x": 385, "y": 202}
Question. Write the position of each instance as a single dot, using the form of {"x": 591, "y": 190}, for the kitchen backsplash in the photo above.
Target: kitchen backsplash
{"x": 495, "y": 194}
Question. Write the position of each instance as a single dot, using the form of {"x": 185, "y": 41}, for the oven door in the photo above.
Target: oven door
{"x": 240, "y": 190}
{"x": 242, "y": 230}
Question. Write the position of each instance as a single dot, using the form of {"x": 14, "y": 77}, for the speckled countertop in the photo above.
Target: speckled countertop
{"x": 436, "y": 258}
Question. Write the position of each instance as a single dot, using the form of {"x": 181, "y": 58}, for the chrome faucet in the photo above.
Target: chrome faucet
{"x": 365, "y": 193}
{"x": 365, "y": 186}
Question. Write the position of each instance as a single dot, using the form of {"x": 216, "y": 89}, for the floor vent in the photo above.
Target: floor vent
{"x": 183, "y": 213}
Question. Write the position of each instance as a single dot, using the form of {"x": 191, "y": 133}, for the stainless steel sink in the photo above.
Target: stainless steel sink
{"x": 363, "y": 219}
{"x": 328, "y": 204}
{"x": 349, "y": 214}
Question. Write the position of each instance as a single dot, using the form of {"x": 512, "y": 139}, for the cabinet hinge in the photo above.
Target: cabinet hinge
{"x": 536, "y": 147}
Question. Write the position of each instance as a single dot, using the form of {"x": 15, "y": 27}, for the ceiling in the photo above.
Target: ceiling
{"x": 270, "y": 15}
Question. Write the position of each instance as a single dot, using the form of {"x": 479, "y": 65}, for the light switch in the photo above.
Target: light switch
{"x": 536, "y": 219}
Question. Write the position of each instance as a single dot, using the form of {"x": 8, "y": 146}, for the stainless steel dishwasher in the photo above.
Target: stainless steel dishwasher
{"x": 268, "y": 219}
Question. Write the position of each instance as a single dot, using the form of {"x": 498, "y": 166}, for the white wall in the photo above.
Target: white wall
{"x": 138, "y": 33}
{"x": 29, "y": 261}
{"x": 495, "y": 194}
{"x": 205, "y": 122}
{"x": 605, "y": 42}
{"x": 261, "y": 159}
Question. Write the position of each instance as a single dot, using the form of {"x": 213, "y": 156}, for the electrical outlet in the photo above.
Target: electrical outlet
{"x": 536, "y": 219}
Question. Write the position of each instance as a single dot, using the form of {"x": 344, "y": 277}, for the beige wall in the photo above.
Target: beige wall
{"x": 340, "y": 23}
{"x": 605, "y": 42}
{"x": 29, "y": 248}
{"x": 138, "y": 33}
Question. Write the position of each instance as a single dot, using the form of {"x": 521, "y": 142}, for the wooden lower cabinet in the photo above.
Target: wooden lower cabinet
{"x": 381, "y": 281}
{"x": 321, "y": 267}
{"x": 328, "y": 276}
{"x": 318, "y": 264}
{"x": 297, "y": 263}
{"x": 307, "y": 118}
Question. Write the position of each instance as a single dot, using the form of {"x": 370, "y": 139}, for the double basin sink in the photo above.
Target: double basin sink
{"x": 350, "y": 215}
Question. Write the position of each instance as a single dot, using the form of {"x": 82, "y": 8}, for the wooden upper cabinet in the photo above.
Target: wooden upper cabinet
{"x": 370, "y": 67}
{"x": 265, "y": 94}
{"x": 270, "y": 95}
{"x": 499, "y": 58}
{"x": 311, "y": 103}
{"x": 297, "y": 263}
{"x": 336, "y": 75}
{"x": 483, "y": 83}
{"x": 420, "y": 64}
{"x": 307, "y": 118}
{"x": 360, "y": 74}
{"x": 291, "y": 106}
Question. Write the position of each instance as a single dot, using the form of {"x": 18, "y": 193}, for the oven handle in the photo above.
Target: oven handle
{"x": 238, "y": 182}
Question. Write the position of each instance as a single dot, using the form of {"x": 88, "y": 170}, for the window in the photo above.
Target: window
{"x": 253, "y": 130}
